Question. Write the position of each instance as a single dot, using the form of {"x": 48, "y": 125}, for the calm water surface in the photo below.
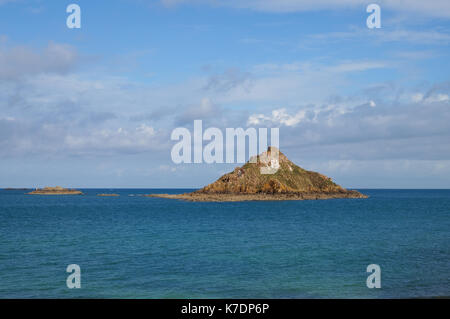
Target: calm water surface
{"x": 137, "y": 247}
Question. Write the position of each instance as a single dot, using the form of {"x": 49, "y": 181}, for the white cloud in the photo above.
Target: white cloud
{"x": 417, "y": 97}
{"x": 430, "y": 98}
{"x": 19, "y": 61}
{"x": 383, "y": 36}
{"x": 205, "y": 110}
{"x": 52, "y": 113}
{"x": 437, "y": 98}
{"x": 294, "y": 83}
{"x": 168, "y": 168}
{"x": 391, "y": 173}
{"x": 416, "y": 55}
{"x": 435, "y": 8}
{"x": 277, "y": 117}
{"x": 357, "y": 66}
{"x": 392, "y": 129}
{"x": 141, "y": 138}
{"x": 328, "y": 113}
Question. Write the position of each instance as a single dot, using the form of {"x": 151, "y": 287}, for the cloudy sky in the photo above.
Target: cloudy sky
{"x": 95, "y": 107}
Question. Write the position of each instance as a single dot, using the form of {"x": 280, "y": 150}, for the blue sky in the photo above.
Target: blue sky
{"x": 95, "y": 107}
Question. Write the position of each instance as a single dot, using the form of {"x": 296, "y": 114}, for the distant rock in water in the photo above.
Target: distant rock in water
{"x": 288, "y": 182}
{"x": 55, "y": 191}
{"x": 108, "y": 195}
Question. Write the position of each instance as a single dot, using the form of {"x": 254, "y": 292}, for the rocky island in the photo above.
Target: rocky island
{"x": 288, "y": 182}
{"x": 55, "y": 191}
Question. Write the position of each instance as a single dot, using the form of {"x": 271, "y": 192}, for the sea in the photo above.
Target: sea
{"x": 133, "y": 246}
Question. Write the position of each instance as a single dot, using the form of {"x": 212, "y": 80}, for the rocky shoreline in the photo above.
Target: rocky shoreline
{"x": 201, "y": 197}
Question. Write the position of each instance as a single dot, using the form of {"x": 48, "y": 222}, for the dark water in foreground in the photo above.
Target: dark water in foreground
{"x": 137, "y": 247}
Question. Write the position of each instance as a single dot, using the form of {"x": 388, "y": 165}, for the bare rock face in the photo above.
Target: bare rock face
{"x": 270, "y": 176}
{"x": 287, "y": 178}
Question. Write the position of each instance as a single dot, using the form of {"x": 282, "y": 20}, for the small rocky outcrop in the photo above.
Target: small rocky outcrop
{"x": 55, "y": 191}
{"x": 287, "y": 182}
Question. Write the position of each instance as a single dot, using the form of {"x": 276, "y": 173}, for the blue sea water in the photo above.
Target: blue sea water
{"x": 138, "y": 247}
